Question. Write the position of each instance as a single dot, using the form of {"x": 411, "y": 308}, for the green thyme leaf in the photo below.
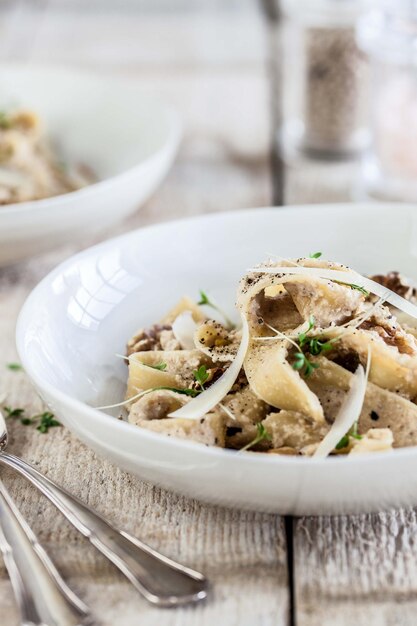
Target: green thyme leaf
{"x": 46, "y": 421}
{"x": 300, "y": 358}
{"x": 262, "y": 434}
{"x": 186, "y": 392}
{"x": 353, "y": 286}
{"x": 205, "y": 300}
{"x": 302, "y": 337}
{"x": 5, "y": 122}
{"x": 353, "y": 432}
{"x": 313, "y": 345}
{"x": 201, "y": 375}
{"x": 309, "y": 368}
{"x": 14, "y": 367}
{"x": 302, "y": 363}
{"x": 315, "y": 255}
{"x": 343, "y": 443}
{"x": 13, "y": 412}
{"x": 316, "y": 346}
{"x": 159, "y": 366}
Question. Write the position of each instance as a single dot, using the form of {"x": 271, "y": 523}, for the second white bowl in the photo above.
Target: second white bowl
{"x": 128, "y": 137}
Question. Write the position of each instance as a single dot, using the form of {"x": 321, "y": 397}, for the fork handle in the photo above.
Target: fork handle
{"x": 159, "y": 579}
{"x": 41, "y": 594}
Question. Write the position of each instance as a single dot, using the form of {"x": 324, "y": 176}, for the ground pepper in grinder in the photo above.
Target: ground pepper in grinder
{"x": 325, "y": 78}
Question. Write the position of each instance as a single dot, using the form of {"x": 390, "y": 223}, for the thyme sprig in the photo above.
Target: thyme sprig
{"x": 14, "y": 367}
{"x": 201, "y": 376}
{"x": 46, "y": 421}
{"x": 354, "y": 286}
{"x": 43, "y": 421}
{"x": 187, "y": 391}
{"x": 13, "y": 412}
{"x": 312, "y": 345}
{"x": 303, "y": 364}
{"x": 353, "y": 432}
{"x": 205, "y": 301}
{"x": 262, "y": 434}
{"x": 302, "y": 337}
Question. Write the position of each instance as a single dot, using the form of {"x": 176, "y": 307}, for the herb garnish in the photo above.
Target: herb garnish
{"x": 315, "y": 255}
{"x": 314, "y": 346}
{"x": 201, "y": 375}
{"x": 44, "y": 421}
{"x": 353, "y": 432}
{"x": 302, "y": 337}
{"x": 262, "y": 434}
{"x": 5, "y": 122}
{"x": 353, "y": 286}
{"x": 14, "y": 367}
{"x": 13, "y": 412}
{"x": 205, "y": 300}
{"x": 185, "y": 392}
{"x": 302, "y": 363}
{"x": 159, "y": 366}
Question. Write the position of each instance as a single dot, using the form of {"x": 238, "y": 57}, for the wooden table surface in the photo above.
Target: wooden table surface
{"x": 220, "y": 68}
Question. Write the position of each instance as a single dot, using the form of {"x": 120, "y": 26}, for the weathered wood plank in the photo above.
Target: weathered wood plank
{"x": 356, "y": 569}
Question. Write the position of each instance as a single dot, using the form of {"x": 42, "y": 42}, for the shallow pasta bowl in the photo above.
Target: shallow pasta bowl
{"x": 79, "y": 317}
{"x": 124, "y": 134}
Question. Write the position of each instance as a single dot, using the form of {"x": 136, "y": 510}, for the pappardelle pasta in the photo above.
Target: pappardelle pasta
{"x": 29, "y": 167}
{"x": 323, "y": 362}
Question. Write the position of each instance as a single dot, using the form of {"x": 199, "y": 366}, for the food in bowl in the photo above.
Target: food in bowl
{"x": 323, "y": 363}
{"x": 29, "y": 168}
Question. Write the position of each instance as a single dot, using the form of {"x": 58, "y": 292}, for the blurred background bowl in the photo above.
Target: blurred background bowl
{"x": 127, "y": 137}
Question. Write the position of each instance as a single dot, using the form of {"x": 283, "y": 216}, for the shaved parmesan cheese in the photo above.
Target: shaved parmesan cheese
{"x": 348, "y": 414}
{"x": 184, "y": 328}
{"x": 346, "y": 277}
{"x": 208, "y": 399}
{"x": 227, "y": 411}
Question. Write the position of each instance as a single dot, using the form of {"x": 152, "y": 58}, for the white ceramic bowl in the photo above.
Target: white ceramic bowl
{"x": 128, "y": 137}
{"x": 80, "y": 316}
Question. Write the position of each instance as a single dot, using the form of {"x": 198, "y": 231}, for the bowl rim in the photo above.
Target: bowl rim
{"x": 169, "y": 146}
{"x": 207, "y": 452}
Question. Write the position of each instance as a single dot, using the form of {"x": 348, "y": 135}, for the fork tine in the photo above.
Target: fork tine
{"x": 42, "y": 595}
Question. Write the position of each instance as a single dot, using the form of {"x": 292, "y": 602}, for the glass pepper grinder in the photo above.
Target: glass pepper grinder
{"x": 324, "y": 78}
{"x": 388, "y": 34}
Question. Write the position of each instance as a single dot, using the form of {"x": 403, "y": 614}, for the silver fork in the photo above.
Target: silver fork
{"x": 41, "y": 594}
{"x": 159, "y": 579}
